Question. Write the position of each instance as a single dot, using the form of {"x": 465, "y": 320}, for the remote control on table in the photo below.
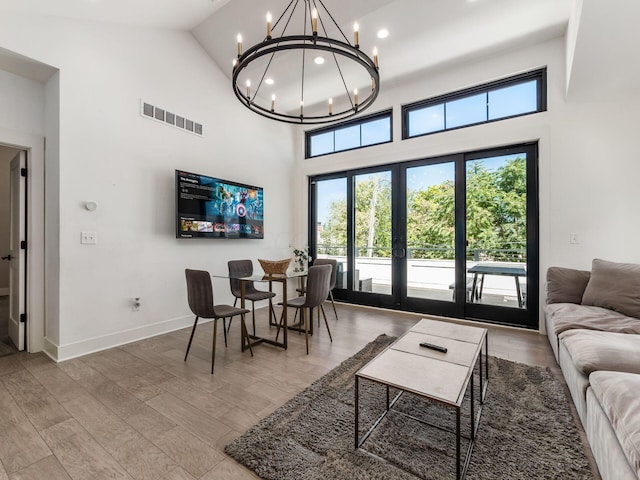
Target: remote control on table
{"x": 434, "y": 347}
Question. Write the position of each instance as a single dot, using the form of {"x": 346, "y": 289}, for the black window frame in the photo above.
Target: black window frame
{"x": 540, "y": 75}
{"x": 348, "y": 124}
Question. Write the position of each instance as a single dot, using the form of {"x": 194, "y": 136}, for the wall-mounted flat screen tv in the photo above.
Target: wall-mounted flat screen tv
{"x": 208, "y": 207}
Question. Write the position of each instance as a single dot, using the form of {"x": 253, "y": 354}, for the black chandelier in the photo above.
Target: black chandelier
{"x": 330, "y": 96}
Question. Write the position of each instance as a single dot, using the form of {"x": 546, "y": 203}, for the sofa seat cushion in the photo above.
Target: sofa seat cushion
{"x": 567, "y": 316}
{"x": 619, "y": 395}
{"x": 591, "y": 350}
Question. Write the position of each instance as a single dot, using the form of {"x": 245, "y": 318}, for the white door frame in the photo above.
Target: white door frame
{"x": 34, "y": 147}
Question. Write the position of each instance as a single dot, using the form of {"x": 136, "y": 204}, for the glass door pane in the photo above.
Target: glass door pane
{"x": 373, "y": 233}
{"x": 331, "y": 226}
{"x": 430, "y": 200}
{"x": 496, "y": 227}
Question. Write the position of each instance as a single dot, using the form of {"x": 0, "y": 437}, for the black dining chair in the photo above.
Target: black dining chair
{"x": 200, "y": 298}
{"x": 244, "y": 268}
{"x": 316, "y": 292}
{"x": 332, "y": 283}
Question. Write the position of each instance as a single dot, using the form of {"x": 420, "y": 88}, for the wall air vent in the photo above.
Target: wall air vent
{"x": 164, "y": 116}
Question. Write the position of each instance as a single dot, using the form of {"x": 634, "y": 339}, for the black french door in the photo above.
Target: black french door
{"x": 455, "y": 235}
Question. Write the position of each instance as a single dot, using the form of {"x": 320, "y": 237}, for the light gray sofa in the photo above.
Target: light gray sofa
{"x": 593, "y": 324}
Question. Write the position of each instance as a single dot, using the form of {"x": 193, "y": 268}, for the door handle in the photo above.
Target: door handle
{"x": 8, "y": 257}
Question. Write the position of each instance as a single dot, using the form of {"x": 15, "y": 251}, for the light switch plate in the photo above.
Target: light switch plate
{"x": 88, "y": 238}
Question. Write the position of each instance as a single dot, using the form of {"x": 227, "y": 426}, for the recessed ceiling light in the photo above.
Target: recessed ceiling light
{"x": 319, "y": 60}
{"x": 383, "y": 33}
{"x": 268, "y": 81}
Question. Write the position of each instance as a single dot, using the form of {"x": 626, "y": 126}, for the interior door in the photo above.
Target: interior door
{"x": 17, "y": 256}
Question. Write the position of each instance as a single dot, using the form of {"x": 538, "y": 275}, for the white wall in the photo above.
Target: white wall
{"x": 22, "y": 103}
{"x": 587, "y": 169}
{"x": 110, "y": 154}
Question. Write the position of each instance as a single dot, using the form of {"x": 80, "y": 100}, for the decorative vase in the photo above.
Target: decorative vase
{"x": 301, "y": 260}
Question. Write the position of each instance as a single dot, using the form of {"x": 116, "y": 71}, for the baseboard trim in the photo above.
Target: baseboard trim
{"x": 50, "y": 349}
{"x": 72, "y": 350}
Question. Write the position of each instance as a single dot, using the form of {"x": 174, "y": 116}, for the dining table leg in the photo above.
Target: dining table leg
{"x": 242, "y": 303}
{"x": 284, "y": 312}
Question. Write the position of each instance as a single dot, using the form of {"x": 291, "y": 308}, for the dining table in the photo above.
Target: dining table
{"x": 269, "y": 278}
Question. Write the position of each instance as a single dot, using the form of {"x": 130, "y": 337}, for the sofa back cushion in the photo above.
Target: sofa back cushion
{"x": 615, "y": 286}
{"x": 566, "y": 285}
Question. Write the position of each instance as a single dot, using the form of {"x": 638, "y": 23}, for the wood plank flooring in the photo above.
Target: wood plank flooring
{"x": 140, "y": 412}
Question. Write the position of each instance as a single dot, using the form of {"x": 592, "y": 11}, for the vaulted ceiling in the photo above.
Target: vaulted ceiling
{"x": 423, "y": 34}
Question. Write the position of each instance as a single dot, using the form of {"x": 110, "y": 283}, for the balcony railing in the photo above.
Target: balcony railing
{"x": 433, "y": 252}
{"x": 430, "y": 269}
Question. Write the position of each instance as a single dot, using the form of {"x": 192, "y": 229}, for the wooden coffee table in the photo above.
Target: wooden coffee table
{"x": 431, "y": 374}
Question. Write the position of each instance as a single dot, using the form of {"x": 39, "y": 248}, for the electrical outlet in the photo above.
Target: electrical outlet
{"x": 574, "y": 239}
{"x": 88, "y": 238}
{"x": 136, "y": 304}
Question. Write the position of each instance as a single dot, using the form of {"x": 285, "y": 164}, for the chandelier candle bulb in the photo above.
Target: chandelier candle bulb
{"x": 355, "y": 96}
{"x": 269, "y": 18}
{"x": 375, "y": 56}
{"x": 248, "y": 88}
{"x": 356, "y": 39}
{"x": 235, "y": 62}
{"x": 331, "y": 106}
{"x": 239, "y": 45}
{"x": 314, "y": 21}
{"x": 273, "y": 102}
{"x": 301, "y": 108}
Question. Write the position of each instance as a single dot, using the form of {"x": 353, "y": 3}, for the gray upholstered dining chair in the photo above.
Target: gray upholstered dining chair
{"x": 200, "y": 298}
{"x": 244, "y": 268}
{"x": 332, "y": 283}
{"x": 316, "y": 292}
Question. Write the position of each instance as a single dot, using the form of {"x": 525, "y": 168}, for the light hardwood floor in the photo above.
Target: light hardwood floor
{"x": 140, "y": 412}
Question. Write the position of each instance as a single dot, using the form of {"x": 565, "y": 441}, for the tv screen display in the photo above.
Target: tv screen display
{"x": 209, "y": 207}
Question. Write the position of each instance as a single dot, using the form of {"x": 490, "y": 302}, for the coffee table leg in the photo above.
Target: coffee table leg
{"x": 387, "y": 398}
{"x": 486, "y": 364}
{"x": 458, "y": 443}
{"x": 481, "y": 378}
{"x": 357, "y": 399}
{"x": 473, "y": 412}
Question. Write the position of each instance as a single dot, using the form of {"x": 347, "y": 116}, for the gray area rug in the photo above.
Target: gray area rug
{"x": 526, "y": 431}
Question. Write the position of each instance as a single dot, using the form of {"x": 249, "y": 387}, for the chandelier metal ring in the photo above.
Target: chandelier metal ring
{"x": 298, "y": 42}
{"x": 338, "y": 49}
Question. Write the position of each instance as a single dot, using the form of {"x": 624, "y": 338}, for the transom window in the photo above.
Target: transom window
{"x": 511, "y": 97}
{"x": 363, "y": 132}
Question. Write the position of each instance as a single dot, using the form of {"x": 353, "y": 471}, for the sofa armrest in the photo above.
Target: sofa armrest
{"x": 566, "y": 285}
